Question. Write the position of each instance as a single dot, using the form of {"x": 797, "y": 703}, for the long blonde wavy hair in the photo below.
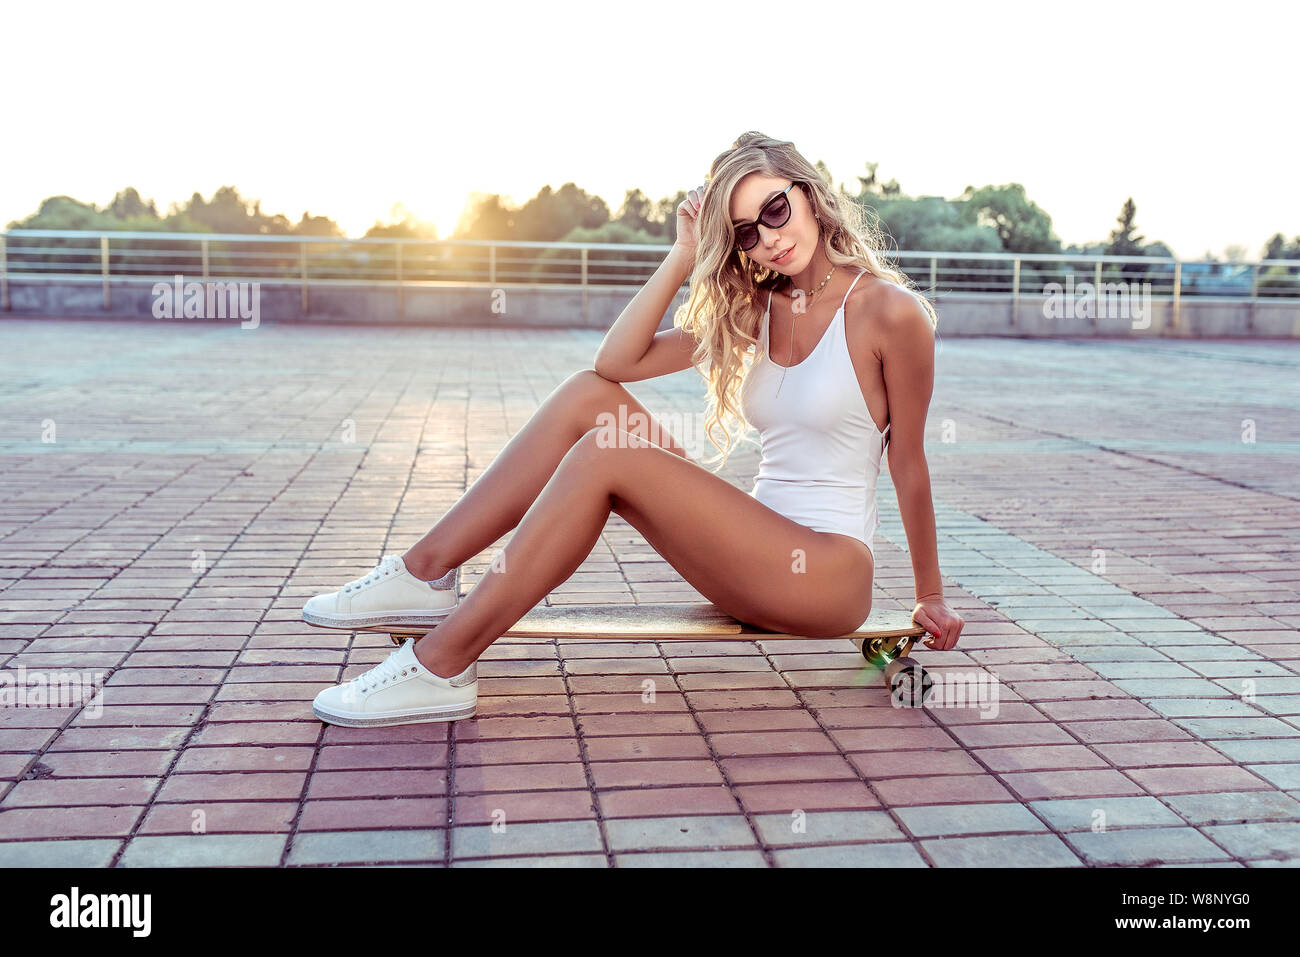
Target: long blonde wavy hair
{"x": 723, "y": 311}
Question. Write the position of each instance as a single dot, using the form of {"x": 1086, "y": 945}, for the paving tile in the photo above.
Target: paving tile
{"x": 821, "y": 796}
{"x": 220, "y": 817}
{"x": 696, "y": 831}
{"x": 679, "y": 859}
{"x": 1280, "y": 775}
{"x": 1137, "y": 847}
{"x": 894, "y": 854}
{"x": 959, "y": 819}
{"x": 1279, "y": 840}
{"x": 539, "y": 861}
{"x": 1033, "y": 785}
{"x": 948, "y": 789}
{"x": 487, "y": 840}
{"x": 369, "y": 847}
{"x": 49, "y": 853}
{"x": 1023, "y": 850}
{"x": 1196, "y": 780}
{"x": 1103, "y": 813}
{"x": 1235, "y": 807}
{"x": 667, "y": 801}
{"x": 826, "y": 827}
{"x": 46, "y": 823}
{"x": 204, "y": 850}
{"x": 1258, "y": 726}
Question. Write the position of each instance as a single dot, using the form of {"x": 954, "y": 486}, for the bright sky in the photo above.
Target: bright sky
{"x": 346, "y": 109}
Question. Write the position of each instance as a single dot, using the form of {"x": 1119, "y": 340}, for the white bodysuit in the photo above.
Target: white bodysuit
{"x": 821, "y": 449}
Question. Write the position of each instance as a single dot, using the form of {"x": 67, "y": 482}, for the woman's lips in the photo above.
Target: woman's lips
{"x": 782, "y": 260}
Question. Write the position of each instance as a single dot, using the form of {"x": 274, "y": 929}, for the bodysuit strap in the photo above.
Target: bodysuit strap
{"x": 851, "y": 285}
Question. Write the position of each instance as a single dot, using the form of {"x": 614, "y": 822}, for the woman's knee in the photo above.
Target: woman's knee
{"x": 608, "y": 408}
{"x": 589, "y": 384}
{"x": 587, "y": 394}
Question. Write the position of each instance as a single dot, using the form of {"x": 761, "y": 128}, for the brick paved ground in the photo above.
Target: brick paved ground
{"x": 1126, "y": 562}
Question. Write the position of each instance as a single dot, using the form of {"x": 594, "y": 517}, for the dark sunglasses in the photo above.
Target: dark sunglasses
{"x": 774, "y": 214}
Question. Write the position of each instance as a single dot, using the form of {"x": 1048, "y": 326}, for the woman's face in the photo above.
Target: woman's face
{"x": 797, "y": 237}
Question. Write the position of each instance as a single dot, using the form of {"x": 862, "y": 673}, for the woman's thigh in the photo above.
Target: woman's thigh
{"x": 749, "y": 560}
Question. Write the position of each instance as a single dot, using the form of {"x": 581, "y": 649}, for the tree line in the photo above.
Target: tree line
{"x": 984, "y": 219}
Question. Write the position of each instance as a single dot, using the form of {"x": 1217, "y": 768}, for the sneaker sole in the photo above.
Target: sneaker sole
{"x": 452, "y": 713}
{"x": 376, "y": 622}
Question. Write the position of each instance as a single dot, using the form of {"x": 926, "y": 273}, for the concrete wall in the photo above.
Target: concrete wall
{"x": 992, "y": 315}
{"x": 568, "y": 307}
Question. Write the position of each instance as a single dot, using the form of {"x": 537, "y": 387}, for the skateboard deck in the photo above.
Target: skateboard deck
{"x": 884, "y": 639}
{"x": 668, "y": 621}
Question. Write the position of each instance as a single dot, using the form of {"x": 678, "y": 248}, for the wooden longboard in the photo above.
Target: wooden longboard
{"x": 884, "y": 639}
{"x": 670, "y": 621}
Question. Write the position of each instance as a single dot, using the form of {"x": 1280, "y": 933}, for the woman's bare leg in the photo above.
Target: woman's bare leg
{"x": 749, "y": 560}
{"x": 498, "y": 499}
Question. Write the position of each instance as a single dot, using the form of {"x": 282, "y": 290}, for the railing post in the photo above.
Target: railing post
{"x": 4, "y": 276}
{"x": 1096, "y": 290}
{"x": 203, "y": 248}
{"x": 1015, "y": 288}
{"x": 1178, "y": 289}
{"x": 492, "y": 265}
{"x": 584, "y": 285}
{"x": 397, "y": 266}
{"x": 934, "y": 276}
{"x": 103, "y": 269}
{"x": 302, "y": 268}
{"x": 1255, "y": 294}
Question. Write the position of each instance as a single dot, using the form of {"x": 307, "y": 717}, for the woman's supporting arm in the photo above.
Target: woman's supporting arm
{"x": 908, "y": 358}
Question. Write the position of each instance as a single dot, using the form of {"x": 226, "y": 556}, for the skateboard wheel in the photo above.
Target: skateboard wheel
{"x": 870, "y": 648}
{"x": 908, "y": 682}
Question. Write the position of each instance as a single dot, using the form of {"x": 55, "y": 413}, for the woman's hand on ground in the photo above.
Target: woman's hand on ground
{"x": 943, "y": 624}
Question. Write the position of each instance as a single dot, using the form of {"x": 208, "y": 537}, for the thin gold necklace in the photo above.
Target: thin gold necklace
{"x": 785, "y": 369}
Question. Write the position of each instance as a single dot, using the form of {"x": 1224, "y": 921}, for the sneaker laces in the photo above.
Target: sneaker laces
{"x": 385, "y": 568}
{"x": 382, "y": 673}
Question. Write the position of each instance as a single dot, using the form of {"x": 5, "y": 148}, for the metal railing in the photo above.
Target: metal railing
{"x": 32, "y": 255}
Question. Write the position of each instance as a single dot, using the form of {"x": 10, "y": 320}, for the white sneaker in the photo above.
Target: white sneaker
{"x": 387, "y": 595}
{"x": 399, "y": 690}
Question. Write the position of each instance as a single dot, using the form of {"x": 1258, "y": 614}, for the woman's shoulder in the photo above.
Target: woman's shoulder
{"x": 878, "y": 301}
{"x": 882, "y": 317}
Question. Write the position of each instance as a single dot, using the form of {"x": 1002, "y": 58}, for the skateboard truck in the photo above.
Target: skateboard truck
{"x": 908, "y": 682}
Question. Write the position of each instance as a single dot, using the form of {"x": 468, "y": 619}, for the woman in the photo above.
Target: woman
{"x": 770, "y": 250}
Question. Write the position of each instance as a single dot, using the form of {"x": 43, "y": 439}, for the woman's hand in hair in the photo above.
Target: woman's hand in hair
{"x": 687, "y": 213}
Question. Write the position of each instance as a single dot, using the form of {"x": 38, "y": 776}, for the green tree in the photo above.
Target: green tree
{"x": 552, "y": 214}
{"x": 311, "y": 225}
{"x": 127, "y": 204}
{"x": 637, "y": 212}
{"x": 404, "y": 224}
{"x": 1279, "y": 248}
{"x": 485, "y": 216}
{"x": 1124, "y": 239}
{"x": 933, "y": 223}
{"x": 871, "y": 185}
{"x": 228, "y": 212}
{"x": 1021, "y": 224}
